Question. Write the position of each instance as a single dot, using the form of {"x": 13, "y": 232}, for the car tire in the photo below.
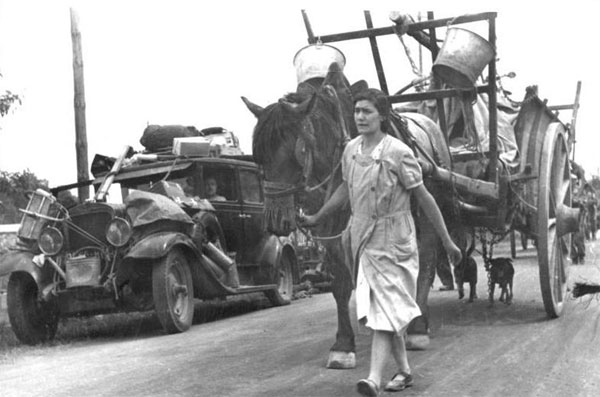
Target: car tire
{"x": 173, "y": 292}
{"x": 33, "y": 321}
{"x": 283, "y": 278}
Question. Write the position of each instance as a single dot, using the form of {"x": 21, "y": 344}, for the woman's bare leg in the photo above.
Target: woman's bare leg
{"x": 399, "y": 353}
{"x": 380, "y": 353}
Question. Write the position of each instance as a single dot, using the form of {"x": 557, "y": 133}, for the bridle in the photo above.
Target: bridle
{"x": 280, "y": 190}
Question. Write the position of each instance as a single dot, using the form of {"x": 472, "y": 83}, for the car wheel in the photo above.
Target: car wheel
{"x": 33, "y": 321}
{"x": 284, "y": 280}
{"x": 173, "y": 292}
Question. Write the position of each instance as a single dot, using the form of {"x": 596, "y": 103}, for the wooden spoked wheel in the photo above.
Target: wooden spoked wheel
{"x": 554, "y": 199}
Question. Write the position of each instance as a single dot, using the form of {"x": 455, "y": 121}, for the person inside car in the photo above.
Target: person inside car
{"x": 210, "y": 189}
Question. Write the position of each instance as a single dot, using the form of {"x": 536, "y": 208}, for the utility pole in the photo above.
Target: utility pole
{"x": 81, "y": 147}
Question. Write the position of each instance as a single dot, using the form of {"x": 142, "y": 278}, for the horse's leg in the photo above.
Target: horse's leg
{"x": 429, "y": 247}
{"x": 342, "y": 353}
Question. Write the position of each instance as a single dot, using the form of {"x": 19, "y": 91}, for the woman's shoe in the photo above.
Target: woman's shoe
{"x": 399, "y": 382}
{"x": 366, "y": 387}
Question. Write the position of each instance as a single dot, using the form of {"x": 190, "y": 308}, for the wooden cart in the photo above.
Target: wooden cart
{"x": 541, "y": 186}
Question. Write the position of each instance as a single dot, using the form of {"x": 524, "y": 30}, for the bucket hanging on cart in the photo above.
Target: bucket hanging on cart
{"x": 314, "y": 60}
{"x": 462, "y": 58}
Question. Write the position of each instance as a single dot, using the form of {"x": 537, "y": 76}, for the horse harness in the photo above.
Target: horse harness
{"x": 279, "y": 190}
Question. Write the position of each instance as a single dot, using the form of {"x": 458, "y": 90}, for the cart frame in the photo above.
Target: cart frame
{"x": 542, "y": 139}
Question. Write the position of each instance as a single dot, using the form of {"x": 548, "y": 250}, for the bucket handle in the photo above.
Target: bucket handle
{"x": 451, "y": 22}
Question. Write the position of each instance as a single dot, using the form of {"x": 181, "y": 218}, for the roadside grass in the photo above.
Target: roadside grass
{"x": 102, "y": 328}
{"x": 74, "y": 330}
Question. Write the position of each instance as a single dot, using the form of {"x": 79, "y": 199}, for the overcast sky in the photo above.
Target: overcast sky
{"x": 178, "y": 62}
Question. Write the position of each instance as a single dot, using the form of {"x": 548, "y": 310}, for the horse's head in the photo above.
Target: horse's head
{"x": 298, "y": 141}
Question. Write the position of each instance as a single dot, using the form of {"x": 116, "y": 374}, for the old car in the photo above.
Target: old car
{"x": 158, "y": 246}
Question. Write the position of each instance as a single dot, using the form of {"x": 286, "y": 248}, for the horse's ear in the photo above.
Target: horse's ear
{"x": 335, "y": 77}
{"x": 359, "y": 86}
{"x": 255, "y": 109}
{"x": 302, "y": 109}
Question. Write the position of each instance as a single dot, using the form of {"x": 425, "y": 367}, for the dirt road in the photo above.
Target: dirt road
{"x": 476, "y": 351}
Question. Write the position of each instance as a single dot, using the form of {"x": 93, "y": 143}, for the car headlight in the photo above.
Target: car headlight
{"x": 51, "y": 240}
{"x": 118, "y": 232}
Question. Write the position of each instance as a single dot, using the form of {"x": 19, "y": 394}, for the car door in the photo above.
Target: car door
{"x": 228, "y": 210}
{"x": 252, "y": 206}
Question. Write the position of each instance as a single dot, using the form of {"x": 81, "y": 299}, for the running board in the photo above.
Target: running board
{"x": 247, "y": 289}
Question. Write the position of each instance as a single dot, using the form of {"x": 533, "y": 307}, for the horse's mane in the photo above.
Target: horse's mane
{"x": 279, "y": 126}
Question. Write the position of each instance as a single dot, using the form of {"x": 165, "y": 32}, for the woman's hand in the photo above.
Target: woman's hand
{"x": 454, "y": 253}
{"x": 308, "y": 220}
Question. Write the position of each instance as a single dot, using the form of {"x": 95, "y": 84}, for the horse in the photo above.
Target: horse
{"x": 299, "y": 142}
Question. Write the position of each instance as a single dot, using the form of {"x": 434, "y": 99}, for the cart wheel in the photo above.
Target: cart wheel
{"x": 553, "y": 213}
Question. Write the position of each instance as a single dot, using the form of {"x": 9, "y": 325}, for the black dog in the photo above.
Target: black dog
{"x": 466, "y": 272}
{"x": 501, "y": 272}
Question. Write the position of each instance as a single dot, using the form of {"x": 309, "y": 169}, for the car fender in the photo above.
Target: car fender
{"x": 158, "y": 245}
{"x": 270, "y": 251}
{"x": 22, "y": 261}
{"x": 272, "y": 248}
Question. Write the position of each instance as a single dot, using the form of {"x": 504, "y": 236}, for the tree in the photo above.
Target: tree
{"x": 13, "y": 193}
{"x": 595, "y": 182}
{"x": 8, "y": 100}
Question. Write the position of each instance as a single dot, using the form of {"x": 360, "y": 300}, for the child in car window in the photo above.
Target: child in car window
{"x": 210, "y": 189}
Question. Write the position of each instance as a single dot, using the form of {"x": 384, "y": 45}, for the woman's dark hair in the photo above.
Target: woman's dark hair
{"x": 380, "y": 100}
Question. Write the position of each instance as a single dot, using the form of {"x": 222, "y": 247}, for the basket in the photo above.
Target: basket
{"x": 462, "y": 58}
{"x": 41, "y": 209}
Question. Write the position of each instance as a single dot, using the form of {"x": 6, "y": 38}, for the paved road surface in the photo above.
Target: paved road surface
{"x": 476, "y": 351}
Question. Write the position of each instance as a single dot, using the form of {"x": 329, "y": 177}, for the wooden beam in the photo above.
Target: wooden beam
{"x": 492, "y": 104}
{"x": 436, "y": 94}
{"x": 413, "y": 27}
{"x": 376, "y": 55}
{"x": 81, "y": 146}
{"x": 309, "y": 31}
{"x": 436, "y": 83}
{"x": 574, "y": 117}
{"x": 561, "y": 107}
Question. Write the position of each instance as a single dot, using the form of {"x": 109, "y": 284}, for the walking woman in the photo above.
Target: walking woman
{"x": 379, "y": 175}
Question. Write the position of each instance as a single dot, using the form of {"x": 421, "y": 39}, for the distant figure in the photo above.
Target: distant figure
{"x": 210, "y": 189}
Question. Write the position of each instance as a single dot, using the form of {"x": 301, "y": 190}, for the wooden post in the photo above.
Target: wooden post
{"x": 81, "y": 147}
{"x": 573, "y": 136}
{"x": 492, "y": 105}
{"x": 436, "y": 83}
{"x": 376, "y": 56}
{"x": 309, "y": 31}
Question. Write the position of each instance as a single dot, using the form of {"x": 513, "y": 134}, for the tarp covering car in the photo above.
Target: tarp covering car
{"x": 145, "y": 208}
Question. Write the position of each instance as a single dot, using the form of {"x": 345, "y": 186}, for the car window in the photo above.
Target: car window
{"x": 187, "y": 185}
{"x": 219, "y": 184}
{"x": 250, "y": 186}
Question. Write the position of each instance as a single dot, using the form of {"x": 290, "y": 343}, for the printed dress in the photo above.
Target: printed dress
{"x": 382, "y": 233}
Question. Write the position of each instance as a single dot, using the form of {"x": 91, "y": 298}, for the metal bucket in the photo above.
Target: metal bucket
{"x": 462, "y": 58}
{"x": 314, "y": 60}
